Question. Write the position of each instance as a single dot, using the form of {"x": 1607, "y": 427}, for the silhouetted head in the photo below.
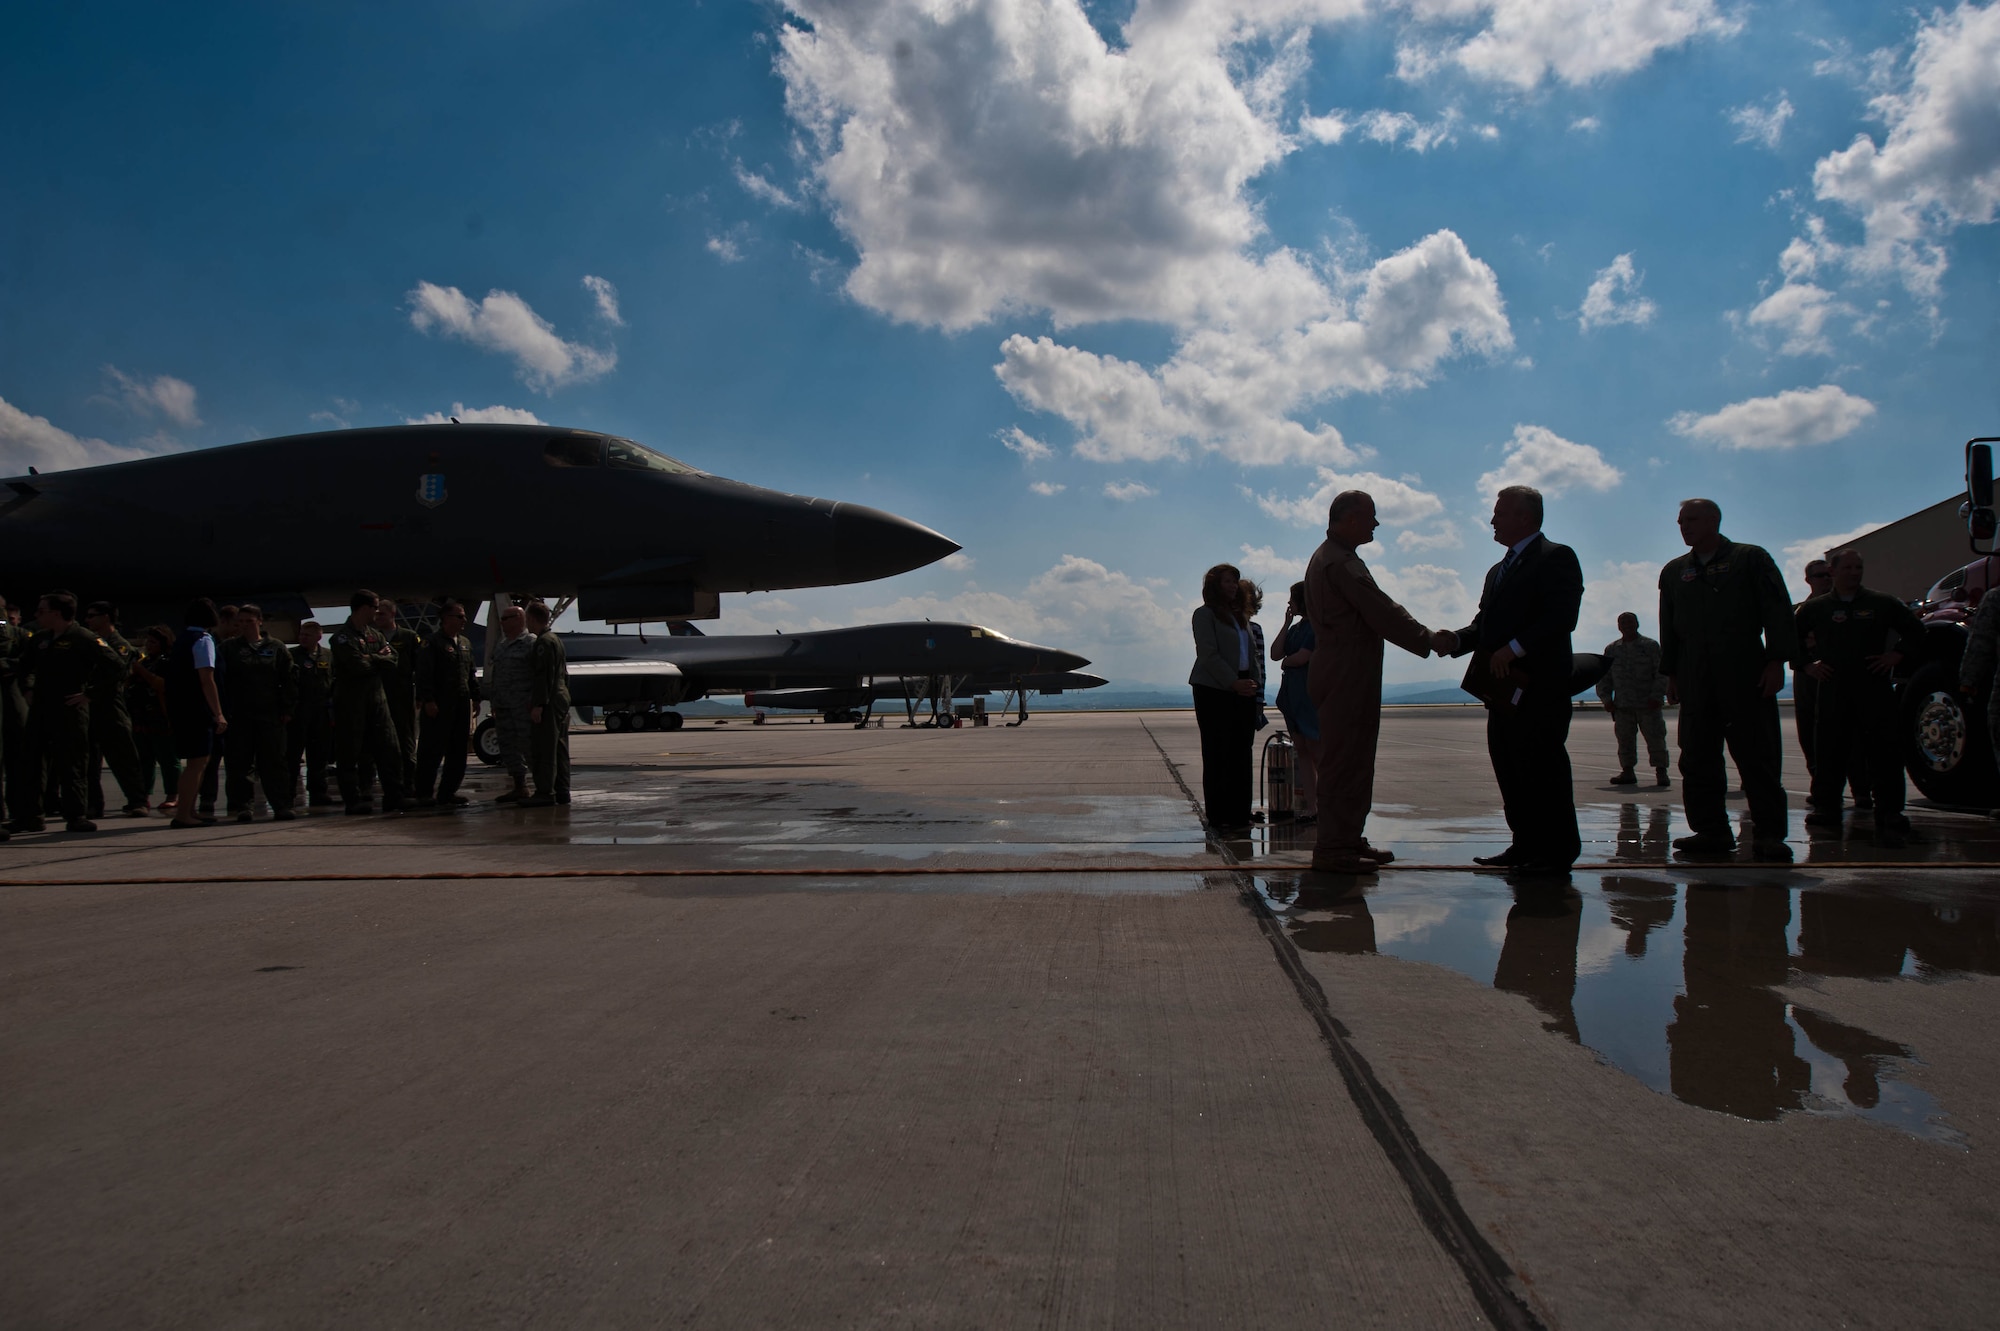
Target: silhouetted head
{"x": 1222, "y": 592}
{"x": 1350, "y": 518}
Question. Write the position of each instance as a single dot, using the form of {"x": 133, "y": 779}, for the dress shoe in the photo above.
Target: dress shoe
{"x": 137, "y": 810}
{"x": 1625, "y": 778}
{"x": 452, "y": 801}
{"x": 79, "y": 825}
{"x": 1660, "y": 778}
{"x": 563, "y": 798}
{"x": 1506, "y": 859}
{"x": 1706, "y": 843}
{"x": 1771, "y": 850}
{"x": 246, "y": 817}
{"x": 283, "y": 815}
{"x": 1825, "y": 818}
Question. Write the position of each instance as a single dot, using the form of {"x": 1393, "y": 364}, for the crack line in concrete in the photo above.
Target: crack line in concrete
{"x": 1493, "y": 1283}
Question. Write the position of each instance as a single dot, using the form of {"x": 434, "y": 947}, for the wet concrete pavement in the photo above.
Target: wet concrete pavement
{"x": 1066, "y": 1065}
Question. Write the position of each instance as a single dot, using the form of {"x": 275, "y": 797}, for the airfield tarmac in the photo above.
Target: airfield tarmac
{"x": 797, "y": 1024}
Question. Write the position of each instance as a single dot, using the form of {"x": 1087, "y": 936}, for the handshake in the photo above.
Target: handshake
{"x": 1444, "y": 642}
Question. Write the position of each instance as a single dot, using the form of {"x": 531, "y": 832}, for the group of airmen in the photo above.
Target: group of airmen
{"x": 381, "y": 703}
{"x": 1845, "y": 643}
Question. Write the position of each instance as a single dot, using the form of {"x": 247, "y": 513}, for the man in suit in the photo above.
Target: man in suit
{"x": 1520, "y": 646}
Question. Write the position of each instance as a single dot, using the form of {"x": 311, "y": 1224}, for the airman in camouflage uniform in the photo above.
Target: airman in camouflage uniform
{"x": 445, "y": 693}
{"x": 363, "y": 729}
{"x": 548, "y": 712}
{"x": 1635, "y": 692}
{"x": 259, "y": 694}
{"x": 510, "y": 687}
{"x": 1854, "y": 641}
{"x": 311, "y": 735}
{"x": 111, "y": 742}
{"x": 401, "y": 688}
{"x": 66, "y": 664}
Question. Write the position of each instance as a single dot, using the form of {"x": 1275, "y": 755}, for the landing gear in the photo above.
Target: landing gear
{"x": 618, "y": 722}
{"x": 486, "y": 742}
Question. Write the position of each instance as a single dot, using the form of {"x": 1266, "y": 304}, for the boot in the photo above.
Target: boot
{"x": 1660, "y": 778}
{"x": 1625, "y": 778}
{"x": 517, "y": 794}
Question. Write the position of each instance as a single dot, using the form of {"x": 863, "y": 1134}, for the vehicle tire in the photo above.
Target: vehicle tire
{"x": 668, "y": 720}
{"x": 1950, "y": 757}
{"x": 645, "y": 721}
{"x": 616, "y": 723}
{"x": 486, "y": 742}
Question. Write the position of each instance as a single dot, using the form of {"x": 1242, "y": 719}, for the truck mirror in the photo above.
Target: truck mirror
{"x": 1982, "y": 524}
{"x": 1979, "y": 473}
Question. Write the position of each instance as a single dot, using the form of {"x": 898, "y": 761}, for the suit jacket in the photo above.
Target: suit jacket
{"x": 1217, "y": 649}
{"x": 1535, "y": 605}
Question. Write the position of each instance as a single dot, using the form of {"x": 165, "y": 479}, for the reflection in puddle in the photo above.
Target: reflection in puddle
{"x": 1691, "y": 1011}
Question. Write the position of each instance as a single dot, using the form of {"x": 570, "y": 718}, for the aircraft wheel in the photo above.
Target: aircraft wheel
{"x": 1950, "y": 756}
{"x": 486, "y": 742}
{"x": 668, "y": 720}
{"x": 616, "y": 723}
{"x": 645, "y": 721}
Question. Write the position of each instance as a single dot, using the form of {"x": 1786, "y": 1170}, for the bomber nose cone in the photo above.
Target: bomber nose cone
{"x": 870, "y": 544}
{"x": 1061, "y": 663}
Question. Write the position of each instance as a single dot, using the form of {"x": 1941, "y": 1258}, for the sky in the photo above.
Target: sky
{"x": 1106, "y": 292}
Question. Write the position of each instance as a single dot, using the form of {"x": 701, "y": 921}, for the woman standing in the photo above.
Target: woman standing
{"x": 194, "y": 709}
{"x": 1293, "y": 650}
{"x": 1224, "y": 679}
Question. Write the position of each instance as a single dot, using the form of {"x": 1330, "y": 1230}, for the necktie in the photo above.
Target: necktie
{"x": 1505, "y": 564}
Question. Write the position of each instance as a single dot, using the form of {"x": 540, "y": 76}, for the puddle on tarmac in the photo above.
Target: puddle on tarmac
{"x": 1675, "y": 983}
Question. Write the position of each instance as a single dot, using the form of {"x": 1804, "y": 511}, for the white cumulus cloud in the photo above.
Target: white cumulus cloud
{"x": 494, "y": 415}
{"x": 1613, "y": 297}
{"x": 1609, "y": 590}
{"x": 1795, "y": 418}
{"x": 162, "y": 395}
{"x": 760, "y": 187}
{"x": 1233, "y": 387}
{"x": 504, "y": 323}
{"x": 1938, "y": 168}
{"x": 1024, "y": 445}
{"x": 992, "y": 158}
{"x": 1398, "y": 503}
{"x": 32, "y": 441}
{"x": 1436, "y": 595}
{"x": 606, "y": 296}
{"x": 1552, "y": 464}
{"x": 1265, "y": 564}
{"x": 1126, "y": 491}
{"x": 1797, "y": 554}
{"x": 1048, "y": 487}
{"x": 1763, "y": 125}
{"x": 1577, "y": 42}
{"x": 1120, "y": 623}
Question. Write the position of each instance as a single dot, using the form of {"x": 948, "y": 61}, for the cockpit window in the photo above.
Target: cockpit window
{"x": 574, "y": 450}
{"x": 637, "y": 457}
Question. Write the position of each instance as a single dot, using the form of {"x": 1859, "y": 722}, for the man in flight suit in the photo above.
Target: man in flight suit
{"x": 311, "y": 737}
{"x": 401, "y": 688}
{"x": 1726, "y": 632}
{"x": 259, "y": 696}
{"x": 444, "y": 697}
{"x": 363, "y": 730}
{"x": 548, "y": 712}
{"x": 111, "y": 743}
{"x": 1635, "y": 693}
{"x": 510, "y": 687}
{"x": 1856, "y": 638}
{"x": 1351, "y": 618}
{"x": 66, "y": 664}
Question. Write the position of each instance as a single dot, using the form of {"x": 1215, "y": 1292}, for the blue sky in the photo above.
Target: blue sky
{"x": 1198, "y": 263}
